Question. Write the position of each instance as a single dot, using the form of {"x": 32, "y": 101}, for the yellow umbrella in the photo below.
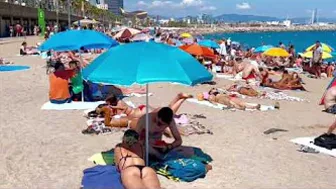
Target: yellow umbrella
{"x": 185, "y": 35}
{"x": 325, "y": 48}
{"x": 309, "y": 54}
{"x": 276, "y": 52}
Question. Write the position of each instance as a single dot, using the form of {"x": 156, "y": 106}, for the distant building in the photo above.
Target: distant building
{"x": 314, "y": 17}
{"x": 287, "y": 23}
{"x": 114, "y": 6}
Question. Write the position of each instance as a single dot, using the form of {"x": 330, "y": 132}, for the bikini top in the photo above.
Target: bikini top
{"x": 127, "y": 156}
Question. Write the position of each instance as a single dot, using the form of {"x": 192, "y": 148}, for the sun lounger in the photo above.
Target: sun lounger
{"x": 308, "y": 142}
{"x": 71, "y": 106}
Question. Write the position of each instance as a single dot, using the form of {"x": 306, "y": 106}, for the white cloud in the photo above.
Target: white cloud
{"x": 154, "y": 4}
{"x": 243, "y": 6}
{"x": 189, "y": 3}
{"x": 208, "y": 8}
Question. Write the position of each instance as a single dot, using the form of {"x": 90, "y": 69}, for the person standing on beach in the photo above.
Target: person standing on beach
{"x": 317, "y": 59}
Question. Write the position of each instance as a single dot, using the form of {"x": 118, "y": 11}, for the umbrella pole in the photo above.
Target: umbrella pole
{"x": 81, "y": 63}
{"x": 147, "y": 127}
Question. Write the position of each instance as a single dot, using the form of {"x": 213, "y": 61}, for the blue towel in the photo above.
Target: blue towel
{"x": 101, "y": 177}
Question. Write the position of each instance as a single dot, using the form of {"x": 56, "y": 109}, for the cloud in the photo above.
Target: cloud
{"x": 208, "y": 8}
{"x": 243, "y": 6}
{"x": 190, "y": 3}
{"x": 155, "y": 4}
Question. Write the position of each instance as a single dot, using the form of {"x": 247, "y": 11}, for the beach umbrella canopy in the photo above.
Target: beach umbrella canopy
{"x": 209, "y": 43}
{"x": 150, "y": 63}
{"x": 309, "y": 54}
{"x": 85, "y": 21}
{"x": 325, "y": 48}
{"x": 185, "y": 35}
{"x": 276, "y": 52}
{"x": 198, "y": 50}
{"x": 126, "y": 33}
{"x": 144, "y": 63}
{"x": 263, "y": 48}
{"x": 77, "y": 39}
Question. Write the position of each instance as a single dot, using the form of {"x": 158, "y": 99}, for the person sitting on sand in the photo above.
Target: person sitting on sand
{"x": 129, "y": 159}
{"x": 24, "y": 50}
{"x": 329, "y": 70}
{"x": 161, "y": 121}
{"x": 130, "y": 115}
{"x": 59, "y": 84}
{"x": 214, "y": 96}
{"x": 330, "y": 100}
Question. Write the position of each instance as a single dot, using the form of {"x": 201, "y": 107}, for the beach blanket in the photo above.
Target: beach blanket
{"x": 297, "y": 70}
{"x": 223, "y": 107}
{"x": 101, "y": 177}
{"x": 71, "y": 106}
{"x": 137, "y": 95}
{"x": 230, "y": 77}
{"x": 309, "y": 142}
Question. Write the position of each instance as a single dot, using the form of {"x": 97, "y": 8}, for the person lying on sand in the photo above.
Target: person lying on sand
{"x": 25, "y": 50}
{"x": 129, "y": 159}
{"x": 214, "y": 96}
{"x": 129, "y": 115}
{"x": 242, "y": 89}
{"x": 330, "y": 100}
{"x": 5, "y": 62}
{"x": 287, "y": 81}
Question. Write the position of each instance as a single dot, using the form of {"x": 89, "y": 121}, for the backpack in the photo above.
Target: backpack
{"x": 185, "y": 169}
{"x": 326, "y": 141}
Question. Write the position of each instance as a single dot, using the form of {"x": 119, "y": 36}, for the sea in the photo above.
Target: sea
{"x": 300, "y": 39}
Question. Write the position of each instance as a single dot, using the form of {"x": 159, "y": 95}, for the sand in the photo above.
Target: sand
{"x": 46, "y": 149}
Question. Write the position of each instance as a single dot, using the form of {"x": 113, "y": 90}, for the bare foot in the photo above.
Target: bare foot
{"x": 258, "y": 107}
{"x": 184, "y": 96}
{"x": 208, "y": 167}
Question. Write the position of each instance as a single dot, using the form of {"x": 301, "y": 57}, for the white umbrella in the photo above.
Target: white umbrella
{"x": 126, "y": 33}
{"x": 85, "y": 22}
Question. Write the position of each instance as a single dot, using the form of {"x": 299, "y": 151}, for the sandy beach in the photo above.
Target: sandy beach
{"x": 46, "y": 149}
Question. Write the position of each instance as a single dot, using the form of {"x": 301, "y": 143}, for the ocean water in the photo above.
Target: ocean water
{"x": 300, "y": 39}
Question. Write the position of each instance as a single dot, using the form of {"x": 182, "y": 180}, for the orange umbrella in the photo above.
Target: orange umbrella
{"x": 198, "y": 50}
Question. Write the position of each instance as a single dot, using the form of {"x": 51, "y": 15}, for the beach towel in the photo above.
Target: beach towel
{"x": 71, "y": 106}
{"x": 137, "y": 95}
{"x": 103, "y": 158}
{"x": 223, "y": 107}
{"x": 230, "y": 77}
{"x": 309, "y": 142}
{"x": 188, "y": 125}
{"x": 101, "y": 177}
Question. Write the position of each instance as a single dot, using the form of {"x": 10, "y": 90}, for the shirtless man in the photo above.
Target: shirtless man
{"x": 330, "y": 100}
{"x": 159, "y": 122}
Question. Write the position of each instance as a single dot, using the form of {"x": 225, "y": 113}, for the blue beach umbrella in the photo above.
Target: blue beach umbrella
{"x": 209, "y": 43}
{"x": 144, "y": 63}
{"x": 263, "y": 48}
{"x": 76, "y": 39}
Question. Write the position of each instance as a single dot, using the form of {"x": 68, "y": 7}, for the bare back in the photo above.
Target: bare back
{"x": 126, "y": 157}
{"x": 330, "y": 97}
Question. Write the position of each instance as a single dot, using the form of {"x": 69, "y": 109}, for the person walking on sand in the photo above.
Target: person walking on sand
{"x": 316, "y": 60}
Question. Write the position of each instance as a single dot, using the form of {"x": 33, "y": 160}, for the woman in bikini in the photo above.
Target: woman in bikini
{"x": 130, "y": 115}
{"x": 129, "y": 159}
{"x": 214, "y": 96}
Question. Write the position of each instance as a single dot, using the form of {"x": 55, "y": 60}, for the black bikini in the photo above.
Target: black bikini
{"x": 140, "y": 167}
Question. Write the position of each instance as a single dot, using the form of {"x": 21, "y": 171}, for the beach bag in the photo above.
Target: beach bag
{"x": 186, "y": 169}
{"x": 77, "y": 83}
{"x": 101, "y": 177}
{"x": 326, "y": 141}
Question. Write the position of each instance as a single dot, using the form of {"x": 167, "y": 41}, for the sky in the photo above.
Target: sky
{"x": 276, "y": 8}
